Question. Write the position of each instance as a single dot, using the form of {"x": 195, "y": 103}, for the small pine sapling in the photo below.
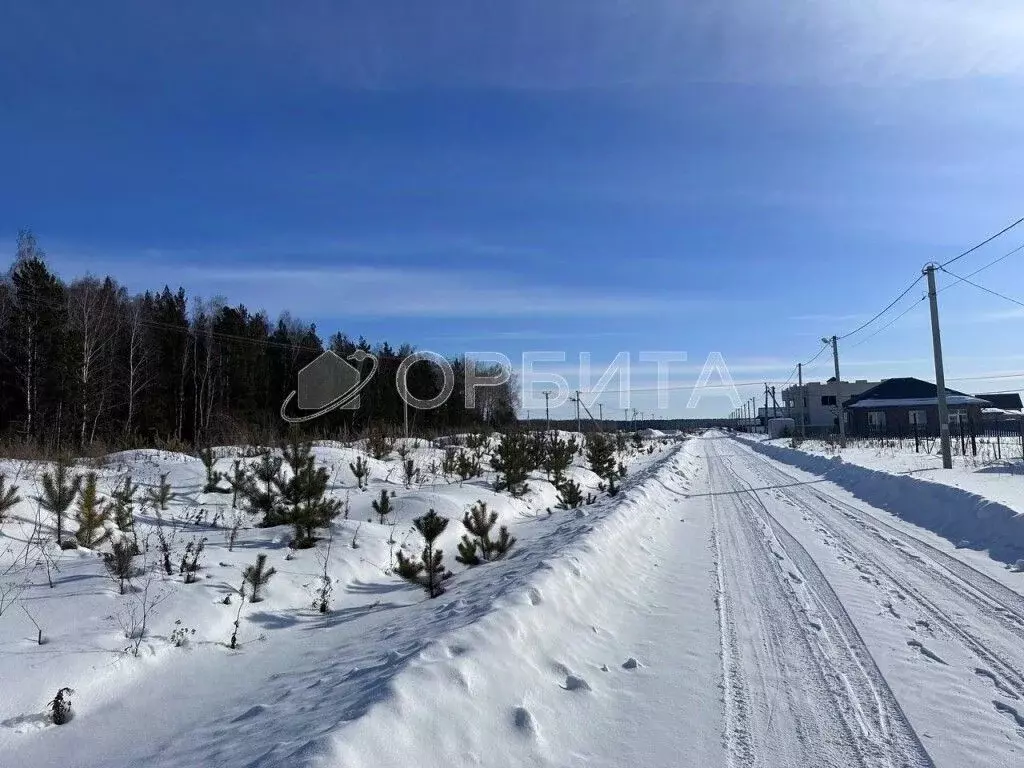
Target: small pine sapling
{"x": 382, "y": 506}
{"x": 411, "y": 471}
{"x": 558, "y": 458}
{"x": 322, "y": 599}
{"x": 120, "y": 562}
{"x": 449, "y": 462}
{"x": 257, "y": 577}
{"x": 638, "y": 440}
{"x": 161, "y": 495}
{"x": 467, "y": 466}
{"x": 60, "y": 707}
{"x": 512, "y": 460}
{"x": 189, "y": 567}
{"x": 91, "y": 515}
{"x": 403, "y": 451}
{"x": 600, "y": 455}
{"x": 123, "y": 508}
{"x": 237, "y": 480}
{"x": 166, "y": 542}
{"x": 361, "y": 470}
{"x": 259, "y": 493}
{"x": 479, "y": 522}
{"x": 622, "y": 471}
{"x": 379, "y": 445}
{"x": 60, "y": 488}
{"x": 428, "y": 572}
{"x": 181, "y": 635}
{"x": 238, "y": 617}
{"x": 8, "y": 497}
{"x": 570, "y": 495}
{"x": 213, "y": 477}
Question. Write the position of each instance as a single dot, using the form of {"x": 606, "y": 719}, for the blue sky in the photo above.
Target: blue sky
{"x": 737, "y": 177}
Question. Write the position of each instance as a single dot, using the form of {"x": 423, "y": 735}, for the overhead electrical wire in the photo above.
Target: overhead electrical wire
{"x": 984, "y": 242}
{"x": 889, "y": 306}
{"x": 983, "y": 288}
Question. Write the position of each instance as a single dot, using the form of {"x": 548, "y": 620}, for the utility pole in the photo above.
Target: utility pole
{"x": 766, "y": 407}
{"x": 839, "y": 390}
{"x": 600, "y": 410}
{"x": 406, "y": 409}
{"x": 547, "y": 410}
{"x": 800, "y": 394}
{"x": 577, "y": 399}
{"x": 940, "y": 374}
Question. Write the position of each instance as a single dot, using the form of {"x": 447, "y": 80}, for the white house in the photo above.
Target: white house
{"x": 819, "y": 400}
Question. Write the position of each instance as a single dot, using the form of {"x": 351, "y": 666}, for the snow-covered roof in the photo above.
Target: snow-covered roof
{"x": 909, "y": 402}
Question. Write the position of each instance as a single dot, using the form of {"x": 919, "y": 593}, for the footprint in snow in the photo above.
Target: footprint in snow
{"x": 999, "y": 684}
{"x": 574, "y": 683}
{"x": 796, "y": 579}
{"x": 523, "y": 721}
{"x": 924, "y": 651}
{"x": 1010, "y": 712}
{"x": 630, "y": 663}
{"x": 534, "y": 596}
{"x": 251, "y": 712}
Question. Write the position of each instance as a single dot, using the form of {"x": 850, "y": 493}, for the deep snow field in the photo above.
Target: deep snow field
{"x": 738, "y": 603}
{"x": 296, "y": 674}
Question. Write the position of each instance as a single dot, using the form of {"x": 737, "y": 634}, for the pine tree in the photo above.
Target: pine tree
{"x": 600, "y": 455}
{"x": 190, "y": 560}
{"x": 512, "y": 460}
{"x": 259, "y": 494}
{"x": 60, "y": 488}
{"x": 257, "y": 576}
{"x": 120, "y": 562}
{"x": 467, "y": 466}
{"x": 479, "y": 522}
{"x": 123, "y": 507}
{"x": 558, "y": 458}
{"x": 410, "y": 471}
{"x": 382, "y": 506}
{"x": 237, "y": 480}
{"x": 8, "y": 497}
{"x": 570, "y": 495}
{"x": 60, "y": 707}
{"x": 213, "y": 478}
{"x": 91, "y": 515}
{"x": 161, "y": 495}
{"x": 428, "y": 572}
{"x": 361, "y": 470}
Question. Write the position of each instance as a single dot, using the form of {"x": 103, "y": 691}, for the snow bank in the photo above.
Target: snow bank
{"x": 487, "y": 675}
{"x": 964, "y": 518}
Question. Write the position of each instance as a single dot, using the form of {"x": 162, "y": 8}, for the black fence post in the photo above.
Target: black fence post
{"x": 917, "y": 440}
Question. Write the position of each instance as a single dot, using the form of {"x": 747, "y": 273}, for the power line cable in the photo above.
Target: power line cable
{"x": 889, "y": 324}
{"x": 889, "y": 306}
{"x": 981, "y": 269}
{"x": 983, "y": 288}
{"x": 984, "y": 242}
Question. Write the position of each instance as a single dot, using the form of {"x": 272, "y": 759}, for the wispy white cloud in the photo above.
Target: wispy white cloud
{"x": 540, "y": 44}
{"x": 380, "y": 292}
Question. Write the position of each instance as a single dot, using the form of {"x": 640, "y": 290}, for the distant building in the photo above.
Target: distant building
{"x": 908, "y": 405}
{"x": 1003, "y": 407}
{"x": 819, "y": 401}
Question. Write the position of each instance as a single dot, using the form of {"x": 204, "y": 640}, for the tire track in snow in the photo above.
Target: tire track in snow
{"x": 1009, "y": 673}
{"x": 739, "y": 749}
{"x": 844, "y": 711}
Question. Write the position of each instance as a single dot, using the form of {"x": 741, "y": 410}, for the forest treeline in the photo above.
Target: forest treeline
{"x": 87, "y": 363}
